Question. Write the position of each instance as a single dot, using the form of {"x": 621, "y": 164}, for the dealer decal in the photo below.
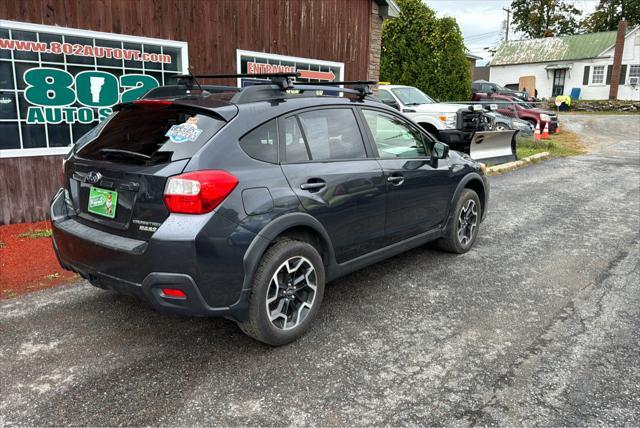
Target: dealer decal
{"x": 187, "y": 131}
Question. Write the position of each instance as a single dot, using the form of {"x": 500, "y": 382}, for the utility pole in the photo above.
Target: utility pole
{"x": 506, "y": 34}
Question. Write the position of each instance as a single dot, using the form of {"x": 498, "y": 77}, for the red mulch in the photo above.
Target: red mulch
{"x": 28, "y": 264}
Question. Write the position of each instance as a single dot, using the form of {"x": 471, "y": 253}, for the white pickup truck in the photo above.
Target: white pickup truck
{"x": 463, "y": 127}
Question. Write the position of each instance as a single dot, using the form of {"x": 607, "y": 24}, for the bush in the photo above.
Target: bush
{"x": 421, "y": 50}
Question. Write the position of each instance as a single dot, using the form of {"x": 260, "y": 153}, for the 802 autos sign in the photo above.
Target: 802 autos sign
{"x": 54, "y": 93}
{"x": 57, "y": 83}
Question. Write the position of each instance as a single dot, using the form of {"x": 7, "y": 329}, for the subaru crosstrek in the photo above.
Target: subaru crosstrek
{"x": 245, "y": 203}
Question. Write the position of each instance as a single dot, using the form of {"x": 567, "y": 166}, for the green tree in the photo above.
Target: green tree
{"x": 421, "y": 50}
{"x": 544, "y": 18}
{"x": 609, "y": 12}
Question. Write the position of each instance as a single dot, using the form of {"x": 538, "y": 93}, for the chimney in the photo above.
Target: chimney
{"x": 617, "y": 60}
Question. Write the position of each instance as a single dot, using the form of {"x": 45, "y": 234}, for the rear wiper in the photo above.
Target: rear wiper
{"x": 124, "y": 154}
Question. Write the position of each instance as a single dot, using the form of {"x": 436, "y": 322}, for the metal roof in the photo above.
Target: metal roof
{"x": 566, "y": 48}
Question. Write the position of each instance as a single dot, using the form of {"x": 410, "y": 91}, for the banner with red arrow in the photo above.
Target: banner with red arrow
{"x": 317, "y": 75}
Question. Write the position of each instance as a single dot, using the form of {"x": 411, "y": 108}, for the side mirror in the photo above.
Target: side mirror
{"x": 440, "y": 150}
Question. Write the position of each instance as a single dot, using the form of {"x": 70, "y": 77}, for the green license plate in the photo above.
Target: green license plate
{"x": 103, "y": 202}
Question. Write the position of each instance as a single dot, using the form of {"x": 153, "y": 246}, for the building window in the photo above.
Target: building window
{"x": 598, "y": 75}
{"x": 634, "y": 72}
{"x": 58, "y": 83}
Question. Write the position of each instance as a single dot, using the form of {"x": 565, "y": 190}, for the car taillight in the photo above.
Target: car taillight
{"x": 198, "y": 192}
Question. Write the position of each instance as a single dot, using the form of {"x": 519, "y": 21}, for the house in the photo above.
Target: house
{"x": 558, "y": 65}
{"x": 472, "y": 59}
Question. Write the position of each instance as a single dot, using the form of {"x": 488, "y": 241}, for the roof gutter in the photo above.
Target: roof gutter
{"x": 388, "y": 9}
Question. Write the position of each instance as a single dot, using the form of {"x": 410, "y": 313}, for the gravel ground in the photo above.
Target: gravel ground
{"x": 538, "y": 325}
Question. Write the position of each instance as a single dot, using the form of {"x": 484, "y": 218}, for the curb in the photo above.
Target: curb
{"x": 519, "y": 163}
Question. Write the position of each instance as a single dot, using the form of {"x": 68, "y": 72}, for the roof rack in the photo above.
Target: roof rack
{"x": 280, "y": 85}
{"x": 283, "y": 80}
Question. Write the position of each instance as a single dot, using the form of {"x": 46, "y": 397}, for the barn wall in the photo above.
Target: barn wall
{"x": 332, "y": 30}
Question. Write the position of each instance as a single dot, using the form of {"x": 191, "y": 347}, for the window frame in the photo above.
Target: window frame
{"x": 629, "y": 76}
{"x": 402, "y": 119}
{"x": 604, "y": 75}
{"x": 282, "y": 157}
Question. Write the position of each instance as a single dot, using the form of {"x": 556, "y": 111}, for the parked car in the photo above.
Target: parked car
{"x": 451, "y": 123}
{"x": 484, "y": 87}
{"x": 244, "y": 204}
{"x": 503, "y": 123}
{"x": 514, "y": 107}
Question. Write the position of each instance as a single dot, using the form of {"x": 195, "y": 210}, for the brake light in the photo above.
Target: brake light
{"x": 198, "y": 192}
{"x": 153, "y": 103}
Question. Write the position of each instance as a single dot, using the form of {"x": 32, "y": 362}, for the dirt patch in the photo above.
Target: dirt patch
{"x": 27, "y": 260}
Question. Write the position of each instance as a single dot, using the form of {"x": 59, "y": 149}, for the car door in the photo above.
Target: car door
{"x": 325, "y": 160}
{"x": 418, "y": 190}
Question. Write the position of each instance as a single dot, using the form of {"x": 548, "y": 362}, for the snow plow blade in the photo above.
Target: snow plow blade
{"x": 493, "y": 147}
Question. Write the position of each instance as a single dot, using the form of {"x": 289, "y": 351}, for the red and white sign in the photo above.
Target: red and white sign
{"x": 260, "y": 68}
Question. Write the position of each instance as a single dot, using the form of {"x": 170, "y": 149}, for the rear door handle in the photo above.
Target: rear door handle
{"x": 313, "y": 184}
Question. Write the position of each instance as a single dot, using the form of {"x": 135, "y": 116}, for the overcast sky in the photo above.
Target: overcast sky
{"x": 481, "y": 20}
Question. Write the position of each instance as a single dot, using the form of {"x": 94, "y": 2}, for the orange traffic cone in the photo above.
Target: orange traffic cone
{"x": 545, "y": 133}
{"x": 558, "y": 127}
{"x": 536, "y": 133}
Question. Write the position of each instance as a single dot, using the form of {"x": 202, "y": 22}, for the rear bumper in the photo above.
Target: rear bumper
{"x": 208, "y": 268}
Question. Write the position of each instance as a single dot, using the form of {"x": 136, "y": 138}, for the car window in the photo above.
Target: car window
{"x": 261, "y": 142}
{"x": 411, "y": 96}
{"x": 386, "y": 96}
{"x": 393, "y": 137}
{"x": 295, "y": 148}
{"x": 139, "y": 134}
{"x": 332, "y": 134}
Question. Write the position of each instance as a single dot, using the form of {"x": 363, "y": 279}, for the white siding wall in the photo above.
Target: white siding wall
{"x": 507, "y": 74}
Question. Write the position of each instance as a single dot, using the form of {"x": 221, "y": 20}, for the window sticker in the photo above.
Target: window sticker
{"x": 187, "y": 131}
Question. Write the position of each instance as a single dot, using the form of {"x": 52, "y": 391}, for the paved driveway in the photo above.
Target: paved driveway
{"x": 539, "y": 324}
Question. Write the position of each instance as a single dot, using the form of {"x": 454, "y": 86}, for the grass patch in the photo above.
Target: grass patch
{"x": 36, "y": 234}
{"x": 558, "y": 145}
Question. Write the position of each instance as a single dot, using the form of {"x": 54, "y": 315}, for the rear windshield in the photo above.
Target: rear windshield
{"x": 144, "y": 135}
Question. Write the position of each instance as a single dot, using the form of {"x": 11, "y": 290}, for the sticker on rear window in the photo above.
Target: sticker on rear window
{"x": 187, "y": 131}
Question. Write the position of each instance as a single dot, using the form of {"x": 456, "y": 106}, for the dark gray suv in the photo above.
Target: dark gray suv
{"x": 244, "y": 203}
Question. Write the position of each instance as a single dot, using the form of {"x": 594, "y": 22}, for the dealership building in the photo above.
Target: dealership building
{"x": 65, "y": 64}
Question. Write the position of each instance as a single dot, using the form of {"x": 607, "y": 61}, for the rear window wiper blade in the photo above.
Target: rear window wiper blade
{"x": 124, "y": 154}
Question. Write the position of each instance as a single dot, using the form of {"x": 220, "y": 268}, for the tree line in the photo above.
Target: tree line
{"x": 544, "y": 18}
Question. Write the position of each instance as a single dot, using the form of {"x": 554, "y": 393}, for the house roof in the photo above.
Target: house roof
{"x": 566, "y": 48}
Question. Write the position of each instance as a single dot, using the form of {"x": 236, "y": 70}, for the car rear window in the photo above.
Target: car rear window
{"x": 146, "y": 135}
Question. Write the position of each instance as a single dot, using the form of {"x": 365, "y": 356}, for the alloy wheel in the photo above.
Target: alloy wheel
{"x": 467, "y": 222}
{"x": 291, "y": 293}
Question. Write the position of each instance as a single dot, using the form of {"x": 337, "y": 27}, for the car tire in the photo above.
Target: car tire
{"x": 502, "y": 127}
{"x": 466, "y": 214}
{"x": 283, "y": 256}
